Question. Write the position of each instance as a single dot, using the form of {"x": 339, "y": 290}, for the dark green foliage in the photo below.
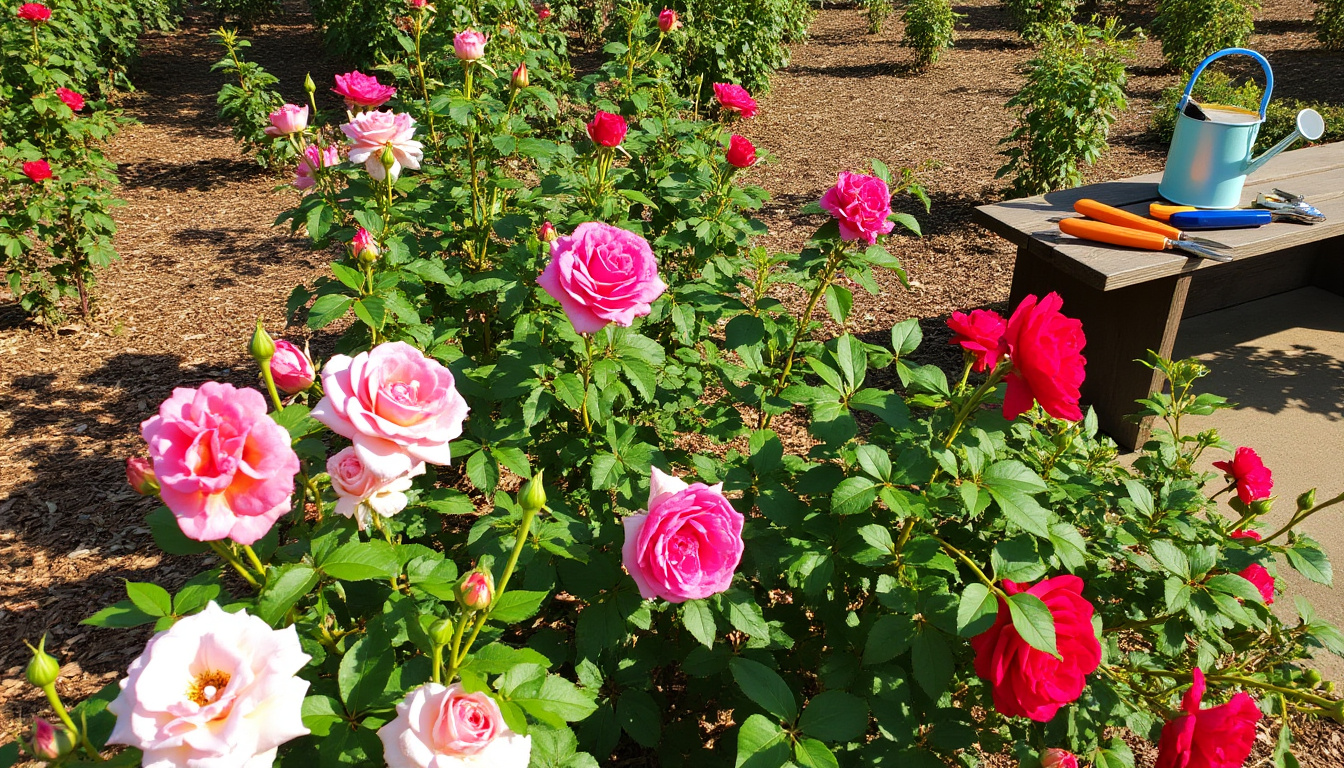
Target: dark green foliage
{"x": 1330, "y": 23}
{"x": 1218, "y": 88}
{"x": 247, "y": 103}
{"x": 1190, "y": 30}
{"x": 1033, "y": 17}
{"x": 929, "y": 28}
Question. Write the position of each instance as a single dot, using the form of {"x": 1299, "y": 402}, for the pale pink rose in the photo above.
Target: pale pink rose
{"x": 372, "y": 131}
{"x": 291, "y": 368}
{"x": 290, "y": 118}
{"x": 860, "y": 205}
{"x": 438, "y": 727}
{"x": 397, "y": 406}
{"x": 602, "y": 274}
{"x": 469, "y": 45}
{"x": 224, "y": 468}
{"x": 314, "y": 159}
{"x": 215, "y": 690}
{"x": 686, "y": 545}
{"x": 362, "y": 91}
{"x": 361, "y": 492}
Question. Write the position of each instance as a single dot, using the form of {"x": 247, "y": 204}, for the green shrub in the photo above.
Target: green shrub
{"x": 1219, "y": 88}
{"x": 929, "y": 28}
{"x": 247, "y": 104}
{"x": 740, "y": 41}
{"x": 357, "y": 30}
{"x": 878, "y": 13}
{"x": 1330, "y": 23}
{"x": 1075, "y": 89}
{"x": 1033, "y": 17}
{"x": 245, "y": 13}
{"x": 1190, "y": 30}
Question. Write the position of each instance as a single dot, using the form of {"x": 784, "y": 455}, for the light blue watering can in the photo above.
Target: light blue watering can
{"x": 1210, "y": 158}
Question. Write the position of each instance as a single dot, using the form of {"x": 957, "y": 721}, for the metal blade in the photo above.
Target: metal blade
{"x": 1204, "y": 241}
{"x": 1199, "y": 250}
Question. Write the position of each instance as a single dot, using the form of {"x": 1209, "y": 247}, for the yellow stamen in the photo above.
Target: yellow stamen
{"x": 207, "y": 686}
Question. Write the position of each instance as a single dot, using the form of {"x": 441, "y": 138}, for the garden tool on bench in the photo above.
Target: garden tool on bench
{"x": 1121, "y": 218}
{"x": 1210, "y": 157}
{"x": 1102, "y": 232}
{"x": 1278, "y": 206}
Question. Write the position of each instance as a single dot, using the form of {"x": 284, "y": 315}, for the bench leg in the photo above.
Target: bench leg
{"x": 1121, "y": 326}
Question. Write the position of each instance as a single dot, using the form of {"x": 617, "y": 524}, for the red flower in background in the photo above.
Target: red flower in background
{"x": 981, "y": 334}
{"x": 734, "y": 98}
{"x": 34, "y": 13}
{"x": 70, "y": 99}
{"x": 37, "y": 170}
{"x": 1218, "y": 737}
{"x": 1254, "y": 480}
{"x": 1257, "y": 575}
{"x": 1046, "y": 350}
{"x": 741, "y": 152}
{"x": 1246, "y": 534}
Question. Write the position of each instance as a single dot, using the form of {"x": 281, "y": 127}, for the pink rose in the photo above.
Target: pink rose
{"x": 215, "y": 689}
{"x": 860, "y": 205}
{"x": 686, "y": 545}
{"x": 602, "y": 274}
{"x": 290, "y": 118}
{"x": 397, "y": 406}
{"x": 741, "y": 152}
{"x": 225, "y": 469}
{"x": 1254, "y": 480}
{"x": 981, "y": 334}
{"x": 371, "y": 132}
{"x": 359, "y": 491}
{"x": 1055, "y": 757}
{"x": 735, "y": 99}
{"x": 1217, "y": 737}
{"x": 607, "y": 129}
{"x": 70, "y": 99}
{"x": 362, "y": 91}
{"x": 363, "y": 241}
{"x": 438, "y": 727}
{"x": 314, "y": 159}
{"x": 34, "y": 13}
{"x": 477, "y": 590}
{"x": 49, "y": 742}
{"x": 1046, "y": 350}
{"x": 469, "y": 45}
{"x": 37, "y": 171}
{"x": 1257, "y": 575}
{"x": 668, "y": 21}
{"x": 1246, "y": 534}
{"x": 291, "y": 368}
{"x": 140, "y": 476}
{"x": 1031, "y": 683}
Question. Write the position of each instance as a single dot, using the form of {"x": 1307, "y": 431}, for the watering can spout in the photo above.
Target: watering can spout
{"x": 1310, "y": 126}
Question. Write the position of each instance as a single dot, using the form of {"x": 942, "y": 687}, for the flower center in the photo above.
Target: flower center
{"x": 403, "y": 392}
{"x": 207, "y": 686}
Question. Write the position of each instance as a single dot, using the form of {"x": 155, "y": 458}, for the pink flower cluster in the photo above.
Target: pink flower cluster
{"x": 314, "y": 159}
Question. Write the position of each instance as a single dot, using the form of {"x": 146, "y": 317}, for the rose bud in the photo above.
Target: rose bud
{"x": 741, "y": 152}
{"x": 477, "y": 590}
{"x": 547, "y": 232}
{"x": 291, "y": 368}
{"x": 308, "y": 85}
{"x": 262, "y": 346}
{"x": 607, "y": 129}
{"x": 441, "y": 632}
{"x": 1058, "y": 758}
{"x": 43, "y": 670}
{"x": 140, "y": 475}
{"x": 49, "y": 742}
{"x": 668, "y": 21}
{"x": 34, "y": 13}
{"x": 469, "y": 45}
{"x": 37, "y": 171}
{"x": 519, "y": 77}
{"x": 532, "y": 498}
{"x": 364, "y": 246}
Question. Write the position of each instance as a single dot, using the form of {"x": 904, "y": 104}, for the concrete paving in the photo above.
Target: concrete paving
{"x": 1281, "y": 360}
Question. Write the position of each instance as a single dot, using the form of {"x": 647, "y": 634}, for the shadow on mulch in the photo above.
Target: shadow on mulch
{"x": 202, "y": 175}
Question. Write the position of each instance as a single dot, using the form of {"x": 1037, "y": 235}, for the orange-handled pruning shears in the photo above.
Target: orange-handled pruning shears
{"x": 1112, "y": 215}
{"x": 1134, "y": 238}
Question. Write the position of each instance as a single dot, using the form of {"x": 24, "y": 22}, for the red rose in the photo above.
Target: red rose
{"x": 1046, "y": 350}
{"x": 734, "y": 98}
{"x": 1031, "y": 683}
{"x": 607, "y": 130}
{"x": 1257, "y": 575}
{"x": 543, "y": 12}
{"x": 981, "y": 334}
{"x": 70, "y": 99}
{"x": 1218, "y": 737}
{"x": 668, "y": 21}
{"x": 1246, "y": 534}
{"x": 741, "y": 152}
{"x": 1254, "y": 480}
{"x": 37, "y": 170}
{"x": 34, "y": 13}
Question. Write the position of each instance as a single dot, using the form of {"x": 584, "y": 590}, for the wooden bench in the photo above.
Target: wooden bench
{"x": 1131, "y": 301}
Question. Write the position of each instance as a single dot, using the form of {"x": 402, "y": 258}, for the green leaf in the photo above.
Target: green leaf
{"x": 351, "y": 278}
{"x": 122, "y": 615}
{"x": 1309, "y": 560}
{"x": 168, "y": 534}
{"x": 835, "y": 716}
{"x": 640, "y": 716}
{"x": 698, "y": 619}
{"x": 284, "y": 587}
{"x": 810, "y": 753}
{"x": 764, "y": 686}
{"x": 1236, "y": 586}
{"x": 928, "y": 379}
{"x": 516, "y": 605}
{"x": 931, "y": 661}
{"x": 890, "y": 636}
{"x": 1012, "y": 485}
{"x": 745, "y": 615}
{"x": 1169, "y": 556}
{"x": 362, "y": 560}
{"x": 839, "y": 300}
{"x": 151, "y": 599}
{"x": 977, "y": 610}
{"x": 548, "y": 698}
{"x": 1033, "y": 621}
{"x": 364, "y": 673}
{"x": 906, "y": 336}
{"x": 327, "y": 309}
{"x": 853, "y": 496}
{"x": 761, "y": 744}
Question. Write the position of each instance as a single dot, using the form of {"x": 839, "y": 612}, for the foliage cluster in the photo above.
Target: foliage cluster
{"x": 247, "y": 104}
{"x": 929, "y": 28}
{"x": 1190, "y": 30}
{"x": 1033, "y": 17}
{"x": 1214, "y": 87}
{"x": 1329, "y": 19}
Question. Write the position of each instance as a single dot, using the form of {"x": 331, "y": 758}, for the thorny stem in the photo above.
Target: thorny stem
{"x": 587, "y": 376}
{"x": 1300, "y": 516}
{"x": 1238, "y": 680}
{"x": 824, "y": 282}
{"x": 951, "y": 550}
{"x": 232, "y": 559}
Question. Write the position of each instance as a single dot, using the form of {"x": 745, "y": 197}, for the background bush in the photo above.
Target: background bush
{"x": 929, "y": 28}
{"x": 1329, "y": 18}
{"x": 1219, "y": 88}
{"x": 1191, "y": 30}
{"x": 1033, "y": 17}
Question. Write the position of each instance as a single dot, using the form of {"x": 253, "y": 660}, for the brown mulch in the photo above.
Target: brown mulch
{"x": 200, "y": 261}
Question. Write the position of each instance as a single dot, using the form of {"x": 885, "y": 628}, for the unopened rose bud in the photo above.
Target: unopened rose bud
{"x": 1306, "y": 501}
{"x": 519, "y": 77}
{"x": 262, "y": 345}
{"x": 469, "y": 45}
{"x": 1262, "y": 506}
{"x": 49, "y": 742}
{"x": 533, "y": 495}
{"x": 547, "y": 233}
{"x": 1329, "y": 686}
{"x": 388, "y": 159}
{"x": 441, "y": 632}
{"x": 1058, "y": 758}
{"x": 309, "y": 85}
{"x": 668, "y": 21}
{"x": 477, "y": 590}
{"x": 1312, "y": 677}
{"x": 140, "y": 475}
{"x": 43, "y": 670}
{"x": 291, "y": 368}
{"x": 365, "y": 247}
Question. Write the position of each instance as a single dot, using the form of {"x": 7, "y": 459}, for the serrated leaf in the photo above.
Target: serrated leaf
{"x": 698, "y": 619}
{"x": 834, "y": 716}
{"x": 764, "y": 686}
{"x": 151, "y": 599}
{"x": 977, "y": 610}
{"x": 1033, "y": 621}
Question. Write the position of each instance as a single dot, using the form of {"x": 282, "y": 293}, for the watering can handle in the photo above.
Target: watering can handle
{"x": 1264, "y": 64}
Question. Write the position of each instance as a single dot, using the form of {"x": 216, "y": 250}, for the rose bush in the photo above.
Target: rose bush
{"x": 576, "y": 535}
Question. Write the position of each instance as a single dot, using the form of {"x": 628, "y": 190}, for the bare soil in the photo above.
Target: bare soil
{"x": 201, "y": 261}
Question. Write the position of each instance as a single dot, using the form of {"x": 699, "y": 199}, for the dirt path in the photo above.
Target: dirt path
{"x": 201, "y": 262}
